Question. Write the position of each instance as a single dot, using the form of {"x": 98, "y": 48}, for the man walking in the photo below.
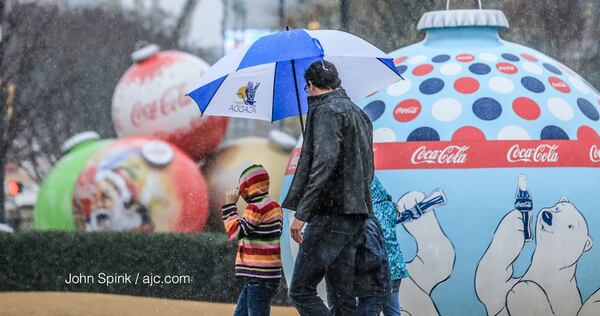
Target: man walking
{"x": 331, "y": 192}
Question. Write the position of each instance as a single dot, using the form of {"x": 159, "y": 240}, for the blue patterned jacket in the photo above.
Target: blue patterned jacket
{"x": 385, "y": 211}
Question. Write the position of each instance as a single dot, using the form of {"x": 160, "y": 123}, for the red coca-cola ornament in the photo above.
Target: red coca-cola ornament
{"x": 150, "y": 100}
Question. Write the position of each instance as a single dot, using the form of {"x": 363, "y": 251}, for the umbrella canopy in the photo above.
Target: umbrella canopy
{"x": 265, "y": 81}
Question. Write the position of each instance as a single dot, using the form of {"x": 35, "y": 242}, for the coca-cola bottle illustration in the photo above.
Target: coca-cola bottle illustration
{"x": 433, "y": 200}
{"x": 524, "y": 204}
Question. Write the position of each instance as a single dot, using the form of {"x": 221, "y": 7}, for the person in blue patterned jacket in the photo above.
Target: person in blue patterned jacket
{"x": 385, "y": 211}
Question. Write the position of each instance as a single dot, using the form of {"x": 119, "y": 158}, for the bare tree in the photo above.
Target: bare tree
{"x": 182, "y": 25}
{"x": 565, "y": 30}
{"x": 58, "y": 70}
{"x": 15, "y": 72}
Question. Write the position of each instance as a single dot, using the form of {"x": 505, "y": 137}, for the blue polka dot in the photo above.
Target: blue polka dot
{"x": 588, "y": 109}
{"x": 552, "y": 68}
{"x": 423, "y": 134}
{"x": 533, "y": 84}
{"x": 480, "y": 69}
{"x": 487, "y": 109}
{"x": 440, "y": 58}
{"x": 431, "y": 86}
{"x": 401, "y": 68}
{"x": 553, "y": 132}
{"x": 374, "y": 109}
{"x": 510, "y": 57}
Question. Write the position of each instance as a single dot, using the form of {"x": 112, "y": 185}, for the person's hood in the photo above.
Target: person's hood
{"x": 378, "y": 192}
{"x": 254, "y": 184}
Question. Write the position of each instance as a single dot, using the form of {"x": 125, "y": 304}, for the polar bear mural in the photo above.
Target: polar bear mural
{"x": 549, "y": 286}
{"x": 432, "y": 264}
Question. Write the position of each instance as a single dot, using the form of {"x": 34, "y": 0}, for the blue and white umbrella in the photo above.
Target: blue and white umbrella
{"x": 265, "y": 80}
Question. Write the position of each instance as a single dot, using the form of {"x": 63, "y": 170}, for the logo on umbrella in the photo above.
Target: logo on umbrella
{"x": 248, "y": 93}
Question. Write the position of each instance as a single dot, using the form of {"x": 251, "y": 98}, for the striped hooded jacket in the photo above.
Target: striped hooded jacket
{"x": 258, "y": 229}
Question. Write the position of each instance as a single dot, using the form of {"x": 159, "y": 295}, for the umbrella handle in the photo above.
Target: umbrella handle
{"x": 448, "y": 4}
{"x": 293, "y": 62}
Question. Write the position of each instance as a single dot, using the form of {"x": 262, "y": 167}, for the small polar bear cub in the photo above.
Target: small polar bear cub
{"x": 549, "y": 287}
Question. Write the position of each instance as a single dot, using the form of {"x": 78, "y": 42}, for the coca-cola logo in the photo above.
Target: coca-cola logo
{"x": 559, "y": 84}
{"x": 541, "y": 153}
{"x": 407, "y": 110}
{"x": 507, "y": 68}
{"x": 171, "y": 101}
{"x": 595, "y": 153}
{"x": 450, "y": 155}
{"x": 465, "y": 58}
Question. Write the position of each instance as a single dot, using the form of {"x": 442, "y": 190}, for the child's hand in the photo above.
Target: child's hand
{"x": 231, "y": 196}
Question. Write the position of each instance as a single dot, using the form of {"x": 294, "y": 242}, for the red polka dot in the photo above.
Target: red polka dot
{"x": 526, "y": 108}
{"x": 465, "y": 58}
{"x": 466, "y": 85}
{"x": 587, "y": 133}
{"x": 507, "y": 68}
{"x": 468, "y": 133}
{"x": 422, "y": 70}
{"x": 559, "y": 84}
{"x": 400, "y": 60}
{"x": 407, "y": 110}
{"x": 529, "y": 57}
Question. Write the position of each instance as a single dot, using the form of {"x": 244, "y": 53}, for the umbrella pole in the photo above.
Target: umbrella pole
{"x": 297, "y": 95}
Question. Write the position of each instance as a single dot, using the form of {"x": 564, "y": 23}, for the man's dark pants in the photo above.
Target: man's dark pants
{"x": 328, "y": 250}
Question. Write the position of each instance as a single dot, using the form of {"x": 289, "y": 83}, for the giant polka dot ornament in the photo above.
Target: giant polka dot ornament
{"x": 473, "y": 113}
{"x": 510, "y": 85}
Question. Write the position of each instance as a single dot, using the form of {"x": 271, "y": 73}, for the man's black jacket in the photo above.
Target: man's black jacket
{"x": 335, "y": 168}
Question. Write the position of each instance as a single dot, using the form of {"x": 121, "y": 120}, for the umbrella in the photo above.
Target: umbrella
{"x": 265, "y": 80}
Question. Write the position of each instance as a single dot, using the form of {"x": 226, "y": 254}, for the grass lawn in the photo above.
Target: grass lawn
{"x": 92, "y": 304}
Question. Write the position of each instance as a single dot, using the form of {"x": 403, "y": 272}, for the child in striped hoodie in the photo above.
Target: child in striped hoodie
{"x": 258, "y": 231}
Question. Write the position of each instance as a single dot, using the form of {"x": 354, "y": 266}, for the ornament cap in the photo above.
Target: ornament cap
{"x": 77, "y": 139}
{"x": 145, "y": 52}
{"x": 458, "y": 18}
